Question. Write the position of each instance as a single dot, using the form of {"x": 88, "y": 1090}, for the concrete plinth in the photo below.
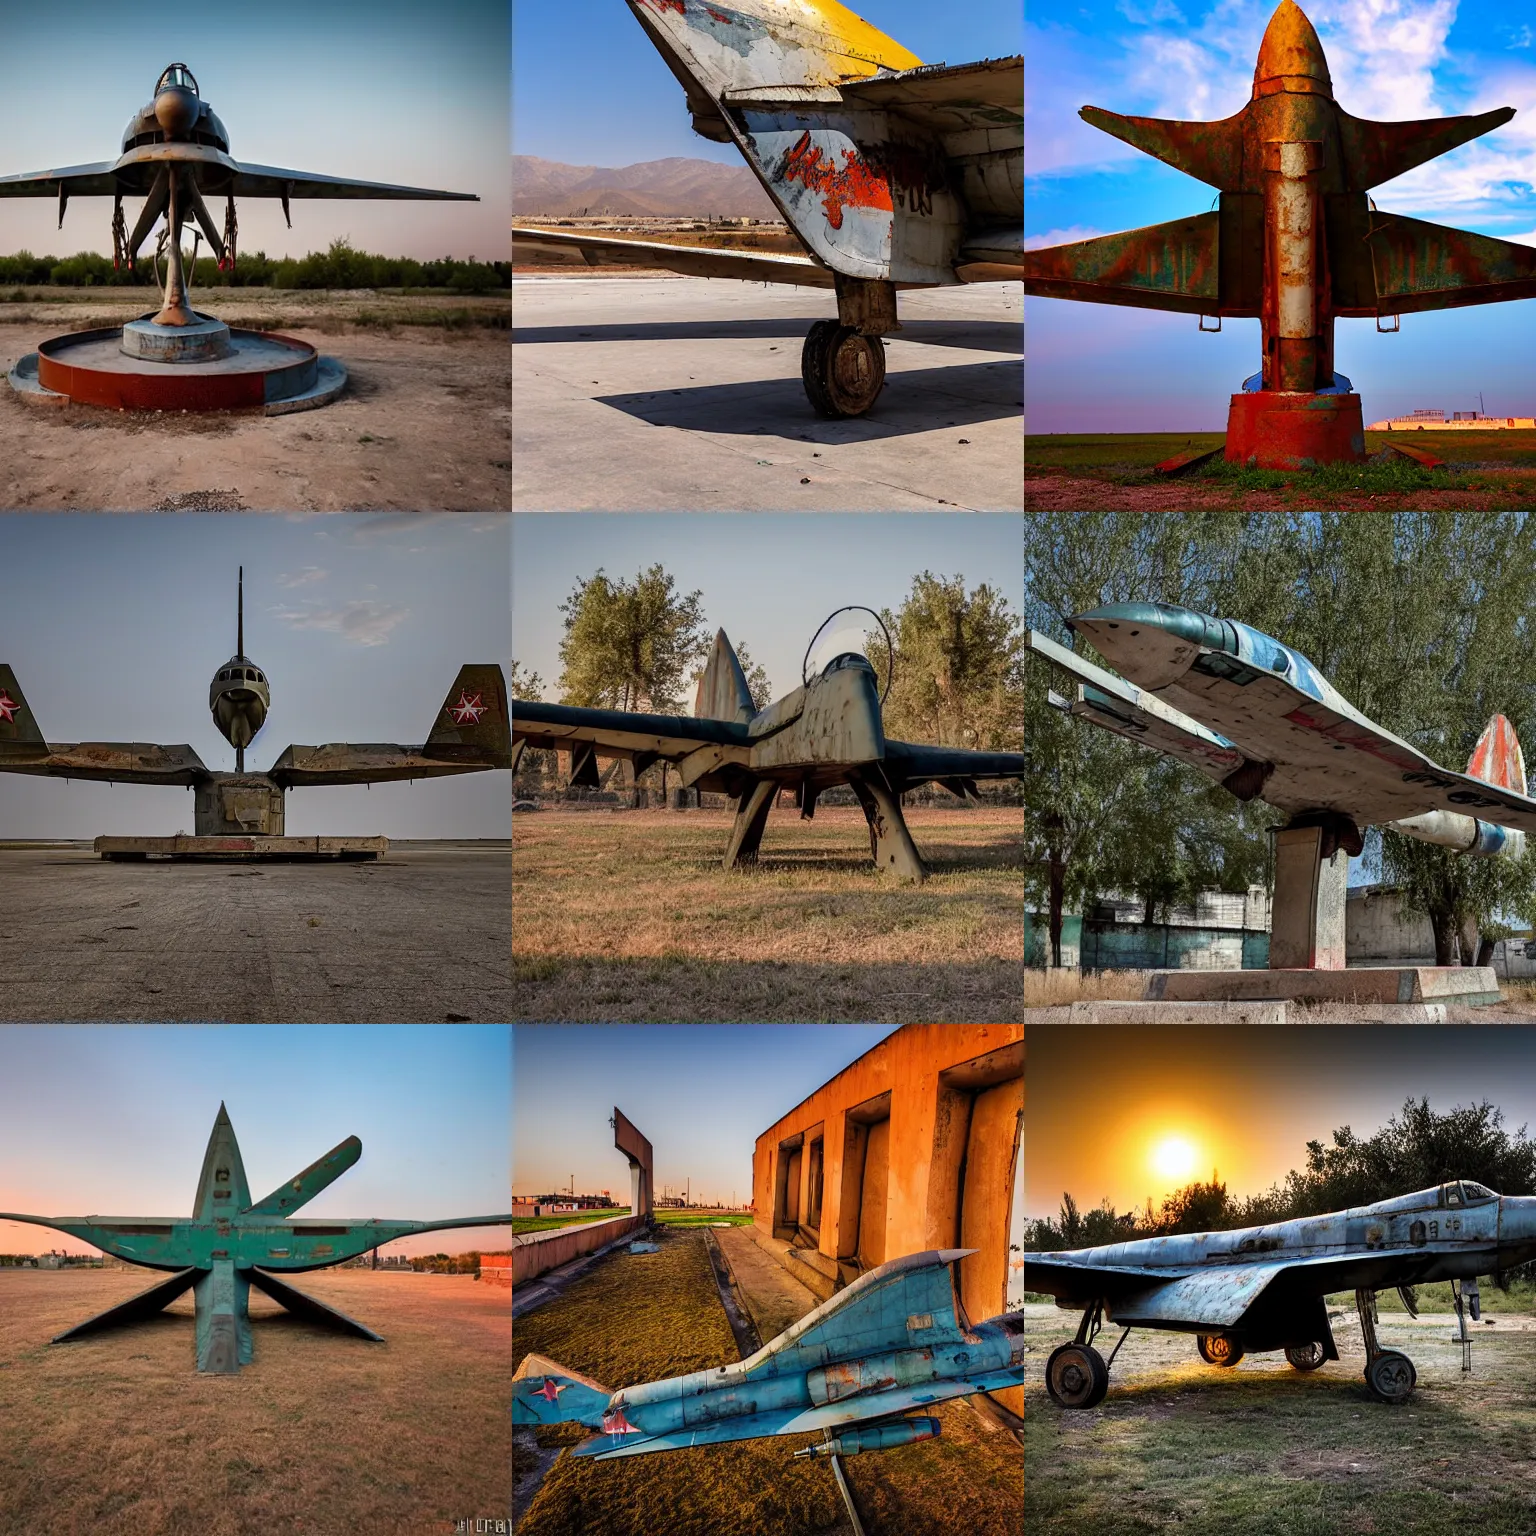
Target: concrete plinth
{"x": 184, "y": 847}
{"x": 1274, "y": 429}
{"x": 204, "y": 341}
{"x": 1307, "y": 923}
{"x": 1470, "y": 986}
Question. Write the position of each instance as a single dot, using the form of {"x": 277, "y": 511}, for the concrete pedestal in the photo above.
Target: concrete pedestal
{"x": 1274, "y": 429}
{"x": 182, "y": 846}
{"x": 1470, "y": 986}
{"x": 1307, "y": 923}
{"x": 205, "y": 341}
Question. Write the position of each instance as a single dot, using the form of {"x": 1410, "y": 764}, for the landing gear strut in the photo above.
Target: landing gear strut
{"x": 1077, "y": 1375}
{"x": 842, "y": 364}
{"x": 1390, "y": 1376}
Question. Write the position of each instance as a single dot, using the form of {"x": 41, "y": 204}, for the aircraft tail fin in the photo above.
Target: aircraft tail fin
{"x": 1497, "y": 758}
{"x": 723, "y": 693}
{"x": 473, "y": 726}
{"x": 19, "y": 735}
{"x": 546, "y": 1393}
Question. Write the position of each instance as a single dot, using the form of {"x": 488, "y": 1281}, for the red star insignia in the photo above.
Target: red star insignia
{"x": 468, "y": 710}
{"x": 614, "y": 1423}
{"x": 8, "y": 706}
{"x": 551, "y": 1389}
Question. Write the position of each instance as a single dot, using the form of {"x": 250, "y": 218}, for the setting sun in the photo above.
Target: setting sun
{"x": 1173, "y": 1158}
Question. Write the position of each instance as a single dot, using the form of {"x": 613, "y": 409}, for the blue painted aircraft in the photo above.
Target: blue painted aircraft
{"x": 894, "y": 1340}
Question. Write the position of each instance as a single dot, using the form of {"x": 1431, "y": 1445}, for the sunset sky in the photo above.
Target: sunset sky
{"x": 1095, "y": 367}
{"x": 113, "y": 1120}
{"x": 1105, "y": 1107}
{"x": 400, "y": 91}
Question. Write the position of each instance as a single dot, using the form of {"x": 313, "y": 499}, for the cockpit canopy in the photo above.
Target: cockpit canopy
{"x": 177, "y": 75}
{"x": 851, "y": 637}
{"x": 1453, "y": 1195}
{"x": 241, "y": 673}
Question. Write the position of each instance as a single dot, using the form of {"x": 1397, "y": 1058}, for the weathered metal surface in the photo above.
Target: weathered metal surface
{"x": 231, "y": 1244}
{"x": 1272, "y": 430}
{"x": 889, "y": 1342}
{"x": 1180, "y": 463}
{"x": 1295, "y": 240}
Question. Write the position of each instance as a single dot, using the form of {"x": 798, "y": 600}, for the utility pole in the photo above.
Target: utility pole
{"x": 687, "y": 1186}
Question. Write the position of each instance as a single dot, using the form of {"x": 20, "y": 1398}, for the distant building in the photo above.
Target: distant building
{"x": 496, "y": 1269}
{"x": 1432, "y": 420}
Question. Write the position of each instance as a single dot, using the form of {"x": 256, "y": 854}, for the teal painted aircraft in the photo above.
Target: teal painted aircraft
{"x": 231, "y": 1244}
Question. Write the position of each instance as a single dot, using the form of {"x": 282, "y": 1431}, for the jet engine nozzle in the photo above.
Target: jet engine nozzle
{"x": 176, "y": 110}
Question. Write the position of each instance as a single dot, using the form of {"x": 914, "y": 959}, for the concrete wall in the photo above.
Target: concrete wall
{"x": 1377, "y": 929}
{"x": 535, "y": 1252}
{"x": 917, "y": 1145}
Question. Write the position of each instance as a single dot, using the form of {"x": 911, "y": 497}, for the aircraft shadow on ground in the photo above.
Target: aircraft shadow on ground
{"x": 978, "y": 335}
{"x": 915, "y": 400}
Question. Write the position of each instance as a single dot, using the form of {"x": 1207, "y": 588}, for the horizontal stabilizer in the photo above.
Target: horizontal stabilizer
{"x": 1376, "y": 152}
{"x": 950, "y": 98}
{"x": 1210, "y": 152}
{"x": 690, "y": 260}
{"x": 1163, "y": 266}
{"x": 303, "y": 1187}
{"x": 1421, "y": 266}
{"x": 546, "y": 1393}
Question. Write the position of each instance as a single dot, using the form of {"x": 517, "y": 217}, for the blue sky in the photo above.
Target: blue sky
{"x": 383, "y": 90}
{"x": 1101, "y": 368}
{"x": 113, "y": 1120}
{"x": 115, "y": 624}
{"x": 769, "y": 580}
{"x": 589, "y": 88}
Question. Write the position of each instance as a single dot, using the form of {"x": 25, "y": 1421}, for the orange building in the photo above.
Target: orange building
{"x": 914, "y": 1146}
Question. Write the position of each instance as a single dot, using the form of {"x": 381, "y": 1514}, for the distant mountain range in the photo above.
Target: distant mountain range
{"x": 675, "y": 188}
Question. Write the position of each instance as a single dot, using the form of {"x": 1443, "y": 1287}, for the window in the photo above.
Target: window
{"x": 177, "y": 75}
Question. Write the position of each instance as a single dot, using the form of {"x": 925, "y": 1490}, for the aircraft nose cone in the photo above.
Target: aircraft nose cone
{"x": 1291, "y": 55}
{"x": 175, "y": 111}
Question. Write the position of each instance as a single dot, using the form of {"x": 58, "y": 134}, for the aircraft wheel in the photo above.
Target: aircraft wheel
{"x": 1305, "y": 1357}
{"x": 843, "y": 372}
{"x": 1391, "y": 1377}
{"x": 1215, "y": 1350}
{"x": 1076, "y": 1376}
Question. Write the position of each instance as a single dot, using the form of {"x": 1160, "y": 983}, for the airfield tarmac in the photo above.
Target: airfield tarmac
{"x": 1269, "y": 1451}
{"x": 423, "y": 424}
{"x": 658, "y": 393}
{"x": 321, "y": 1434}
{"x": 423, "y": 936}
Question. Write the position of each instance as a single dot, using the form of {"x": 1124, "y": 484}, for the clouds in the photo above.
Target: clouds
{"x": 310, "y": 573}
{"x": 1061, "y": 237}
{"x": 361, "y": 622}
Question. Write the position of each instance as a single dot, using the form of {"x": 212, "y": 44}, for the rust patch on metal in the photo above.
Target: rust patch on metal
{"x": 854, "y": 185}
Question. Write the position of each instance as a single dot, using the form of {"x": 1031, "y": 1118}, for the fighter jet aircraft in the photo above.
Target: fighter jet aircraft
{"x": 1261, "y": 720}
{"x": 827, "y": 732}
{"x": 231, "y": 1244}
{"x": 893, "y": 1340}
{"x": 174, "y": 152}
{"x": 891, "y": 173}
{"x": 468, "y": 735}
{"x": 1262, "y": 1288}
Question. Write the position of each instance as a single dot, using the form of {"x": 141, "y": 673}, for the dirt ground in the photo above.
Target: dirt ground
{"x": 629, "y": 917}
{"x": 1085, "y": 493}
{"x": 424, "y": 423}
{"x": 1267, "y": 1451}
{"x": 640, "y": 1317}
{"x": 320, "y": 1434}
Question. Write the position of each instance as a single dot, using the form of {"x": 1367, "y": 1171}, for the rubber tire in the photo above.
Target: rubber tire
{"x": 1391, "y": 1377}
{"x": 1076, "y": 1376}
{"x": 843, "y": 372}
{"x": 1306, "y": 1357}
{"x": 1217, "y": 1351}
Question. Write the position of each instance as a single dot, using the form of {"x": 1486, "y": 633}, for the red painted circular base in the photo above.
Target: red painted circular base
{"x": 1268, "y": 429}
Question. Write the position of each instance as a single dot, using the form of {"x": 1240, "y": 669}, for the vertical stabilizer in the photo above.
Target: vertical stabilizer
{"x": 19, "y": 735}
{"x": 1497, "y": 758}
{"x": 222, "y": 1191}
{"x": 723, "y": 693}
{"x": 473, "y": 725}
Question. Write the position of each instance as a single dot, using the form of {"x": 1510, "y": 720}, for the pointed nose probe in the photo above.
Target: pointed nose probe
{"x": 175, "y": 111}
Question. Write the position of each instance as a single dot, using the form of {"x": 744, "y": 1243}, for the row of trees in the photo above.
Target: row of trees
{"x": 340, "y": 266}
{"x": 957, "y": 675}
{"x": 1416, "y": 1149}
{"x": 1425, "y": 621}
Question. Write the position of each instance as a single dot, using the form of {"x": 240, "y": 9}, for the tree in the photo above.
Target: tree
{"x": 525, "y": 684}
{"x": 957, "y": 677}
{"x": 630, "y": 645}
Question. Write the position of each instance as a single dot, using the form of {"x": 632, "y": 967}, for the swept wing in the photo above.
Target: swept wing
{"x": 218, "y": 174}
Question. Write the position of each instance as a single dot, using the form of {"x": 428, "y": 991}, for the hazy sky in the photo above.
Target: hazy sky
{"x": 113, "y": 1120}
{"x": 769, "y": 580}
{"x": 1095, "y": 367}
{"x": 1244, "y": 1101}
{"x": 115, "y": 624}
{"x": 588, "y": 87}
{"x": 400, "y": 91}
{"x": 701, "y": 1094}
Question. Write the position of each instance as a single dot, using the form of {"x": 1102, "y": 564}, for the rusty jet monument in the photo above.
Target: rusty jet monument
{"x": 232, "y": 1243}
{"x": 1258, "y": 718}
{"x": 891, "y": 173}
{"x": 241, "y": 814}
{"x": 1296, "y": 241}
{"x": 175, "y": 155}
{"x": 827, "y": 732}
{"x": 1262, "y": 1288}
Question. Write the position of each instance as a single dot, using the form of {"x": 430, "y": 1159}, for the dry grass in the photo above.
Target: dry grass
{"x": 1059, "y": 989}
{"x": 639, "y": 1318}
{"x": 1267, "y": 1451}
{"x": 321, "y": 1433}
{"x": 630, "y": 917}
